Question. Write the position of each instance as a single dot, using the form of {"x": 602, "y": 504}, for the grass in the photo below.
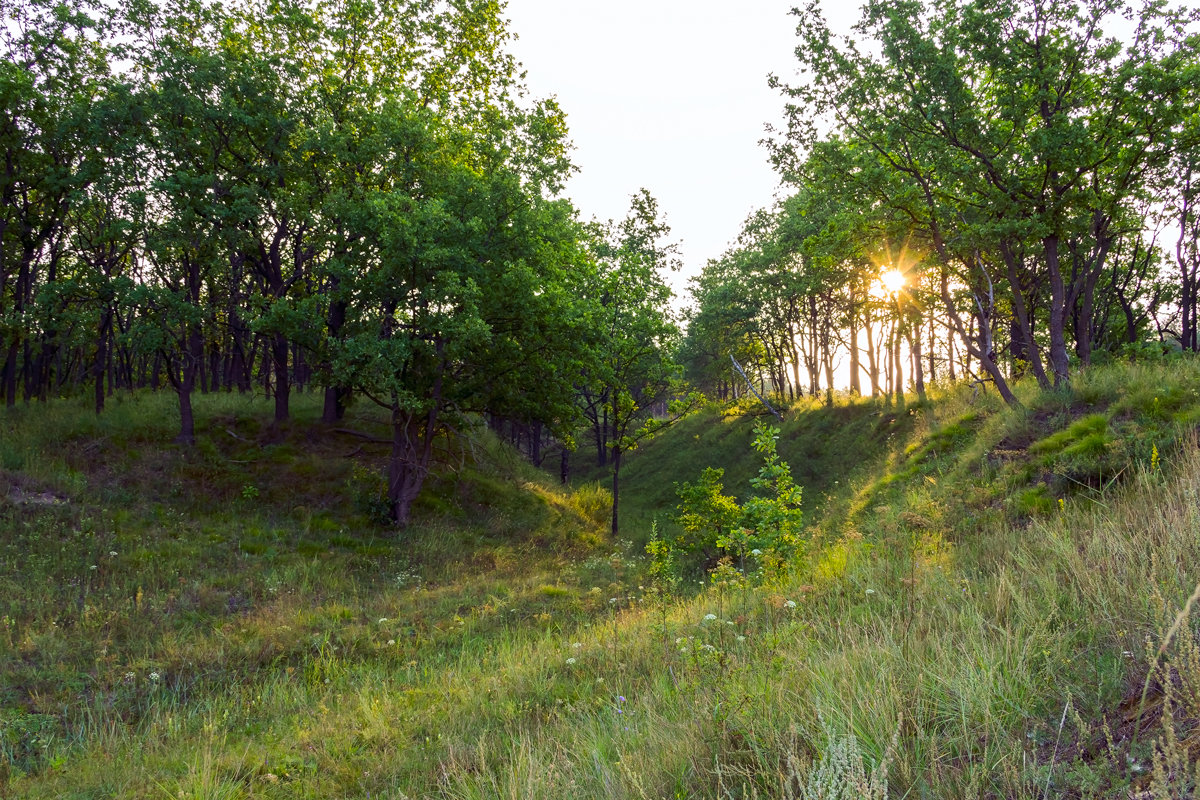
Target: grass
{"x": 968, "y": 622}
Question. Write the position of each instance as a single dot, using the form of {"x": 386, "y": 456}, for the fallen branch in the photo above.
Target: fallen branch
{"x": 361, "y": 435}
{"x": 750, "y": 386}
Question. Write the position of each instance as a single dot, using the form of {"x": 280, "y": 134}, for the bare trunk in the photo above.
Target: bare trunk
{"x": 279, "y": 357}
{"x": 1060, "y": 364}
{"x": 855, "y": 367}
{"x": 98, "y": 367}
{"x": 335, "y": 396}
{"x": 914, "y": 344}
{"x": 616, "y": 489}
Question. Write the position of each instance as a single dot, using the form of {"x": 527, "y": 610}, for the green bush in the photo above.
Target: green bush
{"x": 368, "y": 494}
{"x": 767, "y": 527}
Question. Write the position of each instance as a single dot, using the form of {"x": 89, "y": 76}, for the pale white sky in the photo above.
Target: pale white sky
{"x": 667, "y": 94}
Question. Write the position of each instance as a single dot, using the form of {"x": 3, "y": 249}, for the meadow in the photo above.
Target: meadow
{"x": 990, "y": 602}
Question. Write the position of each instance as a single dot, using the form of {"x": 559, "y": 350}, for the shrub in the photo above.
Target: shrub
{"x": 769, "y": 521}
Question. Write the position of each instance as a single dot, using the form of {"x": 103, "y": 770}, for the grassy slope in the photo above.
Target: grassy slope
{"x": 957, "y": 627}
{"x": 826, "y": 447}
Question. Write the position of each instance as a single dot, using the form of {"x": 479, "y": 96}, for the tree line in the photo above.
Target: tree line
{"x": 1027, "y": 166}
{"x": 357, "y": 196}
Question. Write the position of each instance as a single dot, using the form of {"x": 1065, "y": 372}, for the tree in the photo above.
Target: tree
{"x": 53, "y": 68}
{"x": 1002, "y": 124}
{"x": 635, "y": 375}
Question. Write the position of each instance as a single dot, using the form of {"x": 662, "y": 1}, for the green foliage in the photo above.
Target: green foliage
{"x": 368, "y": 494}
{"x": 773, "y": 514}
{"x": 768, "y": 527}
{"x": 708, "y": 517}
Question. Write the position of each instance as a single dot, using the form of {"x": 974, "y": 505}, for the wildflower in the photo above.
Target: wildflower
{"x": 570, "y": 661}
{"x": 577, "y": 645}
{"x": 790, "y": 603}
{"x": 93, "y": 566}
{"x": 756, "y": 552}
{"x": 620, "y": 698}
{"x": 129, "y": 676}
{"x": 382, "y": 620}
{"x": 709, "y": 617}
{"x": 870, "y": 591}
{"x": 612, "y": 601}
{"x": 1127, "y": 653}
{"x": 154, "y": 676}
{"x": 112, "y": 553}
{"x": 599, "y": 680}
{"x": 741, "y": 638}
{"x": 391, "y": 642}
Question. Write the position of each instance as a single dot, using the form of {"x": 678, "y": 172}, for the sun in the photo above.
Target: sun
{"x": 890, "y": 282}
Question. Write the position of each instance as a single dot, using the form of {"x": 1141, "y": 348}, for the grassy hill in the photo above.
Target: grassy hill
{"x": 992, "y": 603}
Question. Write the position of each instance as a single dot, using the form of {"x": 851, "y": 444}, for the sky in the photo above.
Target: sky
{"x": 670, "y": 95}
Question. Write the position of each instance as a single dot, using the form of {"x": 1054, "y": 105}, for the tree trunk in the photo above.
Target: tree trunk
{"x": 408, "y": 463}
{"x": 335, "y": 396}
{"x": 9, "y": 376}
{"x": 616, "y": 489}
{"x": 279, "y": 357}
{"x": 914, "y": 348}
{"x": 855, "y": 367}
{"x": 187, "y": 422}
{"x": 98, "y": 367}
{"x": 897, "y": 364}
{"x": 1060, "y": 364}
{"x": 872, "y": 356}
{"x": 412, "y": 450}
